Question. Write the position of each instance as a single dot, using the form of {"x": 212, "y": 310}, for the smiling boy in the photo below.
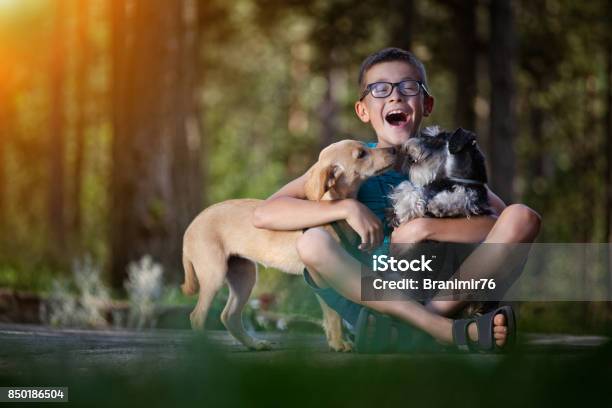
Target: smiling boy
{"x": 394, "y": 99}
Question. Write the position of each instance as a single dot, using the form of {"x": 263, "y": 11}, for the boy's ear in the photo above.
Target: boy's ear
{"x": 460, "y": 139}
{"x": 321, "y": 179}
{"x": 362, "y": 111}
{"x": 428, "y": 105}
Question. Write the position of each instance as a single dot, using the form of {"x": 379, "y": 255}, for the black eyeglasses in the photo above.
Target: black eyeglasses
{"x": 409, "y": 87}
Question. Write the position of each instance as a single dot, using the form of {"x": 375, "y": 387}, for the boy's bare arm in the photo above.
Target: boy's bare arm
{"x": 279, "y": 211}
{"x": 288, "y": 209}
{"x": 466, "y": 230}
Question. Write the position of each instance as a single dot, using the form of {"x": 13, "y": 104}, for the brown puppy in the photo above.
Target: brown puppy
{"x": 222, "y": 244}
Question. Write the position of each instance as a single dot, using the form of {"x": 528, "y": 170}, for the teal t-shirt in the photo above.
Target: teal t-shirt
{"x": 374, "y": 194}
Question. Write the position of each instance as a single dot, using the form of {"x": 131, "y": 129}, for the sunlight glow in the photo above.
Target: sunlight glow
{"x": 9, "y": 9}
{"x": 8, "y": 4}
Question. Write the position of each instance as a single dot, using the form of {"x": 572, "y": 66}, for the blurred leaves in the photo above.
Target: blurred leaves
{"x": 268, "y": 67}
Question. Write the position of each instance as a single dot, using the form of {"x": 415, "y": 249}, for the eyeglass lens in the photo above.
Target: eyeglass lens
{"x": 384, "y": 89}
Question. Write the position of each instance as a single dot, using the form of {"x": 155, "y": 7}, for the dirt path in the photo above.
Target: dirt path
{"x": 91, "y": 348}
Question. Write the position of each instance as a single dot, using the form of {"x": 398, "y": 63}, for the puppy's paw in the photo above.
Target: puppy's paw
{"x": 341, "y": 345}
{"x": 420, "y": 208}
{"x": 197, "y": 322}
{"x": 391, "y": 218}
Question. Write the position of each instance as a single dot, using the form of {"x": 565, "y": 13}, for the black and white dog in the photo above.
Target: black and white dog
{"x": 447, "y": 177}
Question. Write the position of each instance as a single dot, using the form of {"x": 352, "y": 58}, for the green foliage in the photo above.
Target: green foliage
{"x": 27, "y": 277}
{"x": 268, "y": 68}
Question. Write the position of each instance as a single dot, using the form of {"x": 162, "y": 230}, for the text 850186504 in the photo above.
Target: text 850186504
{"x": 33, "y": 394}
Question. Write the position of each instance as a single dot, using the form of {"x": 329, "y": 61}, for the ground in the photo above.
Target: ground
{"x": 116, "y": 347}
{"x": 138, "y": 363}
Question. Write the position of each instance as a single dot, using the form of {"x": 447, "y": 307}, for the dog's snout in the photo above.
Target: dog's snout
{"x": 392, "y": 150}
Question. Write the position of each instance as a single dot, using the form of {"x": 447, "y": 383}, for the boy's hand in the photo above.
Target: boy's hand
{"x": 412, "y": 232}
{"x": 363, "y": 221}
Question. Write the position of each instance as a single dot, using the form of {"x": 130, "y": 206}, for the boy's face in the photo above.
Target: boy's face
{"x": 389, "y": 130}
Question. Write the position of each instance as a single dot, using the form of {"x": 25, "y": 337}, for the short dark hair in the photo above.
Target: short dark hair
{"x": 389, "y": 55}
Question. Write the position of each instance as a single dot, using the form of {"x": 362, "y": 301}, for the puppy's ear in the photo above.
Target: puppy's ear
{"x": 321, "y": 179}
{"x": 461, "y": 139}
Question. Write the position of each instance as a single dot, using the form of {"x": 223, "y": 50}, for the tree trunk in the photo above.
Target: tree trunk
{"x": 83, "y": 60}
{"x": 537, "y": 131}
{"x": 608, "y": 146}
{"x": 401, "y": 34}
{"x": 466, "y": 54}
{"x": 156, "y": 178}
{"x": 56, "y": 141}
{"x": 187, "y": 172}
{"x": 328, "y": 110}
{"x": 608, "y": 164}
{"x": 502, "y": 121}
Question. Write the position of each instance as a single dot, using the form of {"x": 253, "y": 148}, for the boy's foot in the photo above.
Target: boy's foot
{"x": 500, "y": 330}
{"x": 493, "y": 331}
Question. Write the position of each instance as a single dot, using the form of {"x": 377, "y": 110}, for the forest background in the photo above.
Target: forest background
{"x": 121, "y": 120}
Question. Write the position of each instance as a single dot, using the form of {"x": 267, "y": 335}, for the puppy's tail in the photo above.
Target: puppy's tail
{"x": 191, "y": 285}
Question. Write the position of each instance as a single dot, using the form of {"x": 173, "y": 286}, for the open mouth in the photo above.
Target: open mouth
{"x": 396, "y": 118}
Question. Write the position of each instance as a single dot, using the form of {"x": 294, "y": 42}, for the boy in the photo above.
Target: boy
{"x": 394, "y": 99}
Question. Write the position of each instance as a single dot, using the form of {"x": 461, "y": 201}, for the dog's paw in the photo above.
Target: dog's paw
{"x": 393, "y": 221}
{"x": 420, "y": 208}
{"x": 197, "y": 322}
{"x": 391, "y": 218}
{"x": 341, "y": 346}
{"x": 260, "y": 345}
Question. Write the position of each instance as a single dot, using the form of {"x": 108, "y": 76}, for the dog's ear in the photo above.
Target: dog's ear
{"x": 320, "y": 180}
{"x": 460, "y": 139}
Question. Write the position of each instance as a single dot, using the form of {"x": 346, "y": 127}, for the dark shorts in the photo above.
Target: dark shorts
{"x": 349, "y": 310}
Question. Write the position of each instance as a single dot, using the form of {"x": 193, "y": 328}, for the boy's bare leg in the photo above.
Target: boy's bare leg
{"x": 330, "y": 265}
{"x": 516, "y": 224}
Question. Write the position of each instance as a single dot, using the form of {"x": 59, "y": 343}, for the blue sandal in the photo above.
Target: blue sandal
{"x": 484, "y": 324}
{"x": 379, "y": 333}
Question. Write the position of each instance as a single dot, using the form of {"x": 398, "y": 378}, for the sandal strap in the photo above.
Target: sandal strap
{"x": 374, "y": 335}
{"x": 361, "y": 332}
{"x": 460, "y": 333}
{"x": 380, "y": 325}
{"x": 484, "y": 324}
